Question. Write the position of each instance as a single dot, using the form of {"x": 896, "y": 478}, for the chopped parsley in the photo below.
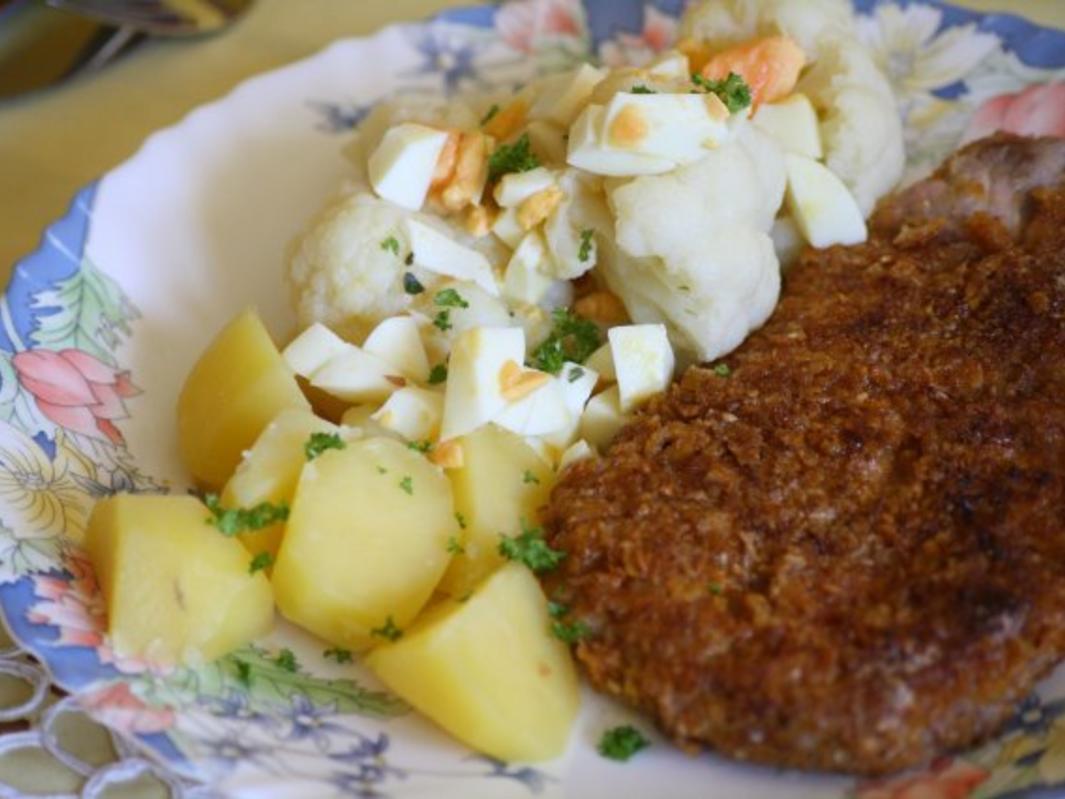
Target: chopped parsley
{"x": 338, "y": 654}
{"x": 232, "y": 521}
{"x": 585, "y": 251}
{"x": 516, "y": 157}
{"x": 454, "y": 547}
{"x": 529, "y": 477}
{"x": 531, "y": 549}
{"x": 407, "y": 485}
{"x": 641, "y": 89}
{"x": 621, "y": 743}
{"x": 420, "y": 446}
{"x": 391, "y": 244}
{"x": 389, "y": 631}
{"x": 320, "y": 442}
{"x": 461, "y": 520}
{"x": 722, "y": 370}
{"x": 449, "y": 298}
{"x": 557, "y": 609}
{"x": 411, "y": 284}
{"x": 409, "y": 260}
{"x": 571, "y": 339}
{"x": 264, "y": 560}
{"x": 382, "y": 470}
{"x": 715, "y": 589}
{"x": 286, "y": 660}
{"x": 575, "y": 374}
{"x": 438, "y": 374}
{"x": 569, "y": 632}
{"x": 443, "y": 320}
{"x": 490, "y": 115}
{"x": 733, "y": 91}
{"x": 243, "y": 672}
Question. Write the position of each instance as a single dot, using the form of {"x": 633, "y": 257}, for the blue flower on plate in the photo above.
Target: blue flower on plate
{"x": 312, "y": 722}
{"x": 366, "y": 748}
{"x": 229, "y": 749}
{"x": 365, "y": 781}
{"x": 450, "y": 58}
{"x": 235, "y": 706}
{"x": 1034, "y": 717}
{"x": 339, "y": 117}
{"x": 533, "y": 779}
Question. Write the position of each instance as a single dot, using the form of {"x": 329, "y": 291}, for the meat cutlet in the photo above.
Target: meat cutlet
{"x": 848, "y": 553}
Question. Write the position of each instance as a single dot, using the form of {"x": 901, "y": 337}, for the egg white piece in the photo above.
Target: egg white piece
{"x": 402, "y": 166}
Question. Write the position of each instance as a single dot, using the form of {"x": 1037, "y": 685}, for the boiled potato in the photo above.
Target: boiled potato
{"x": 366, "y": 541}
{"x": 269, "y": 471}
{"x": 488, "y": 670}
{"x": 177, "y": 589}
{"x": 236, "y": 387}
{"x": 501, "y": 482}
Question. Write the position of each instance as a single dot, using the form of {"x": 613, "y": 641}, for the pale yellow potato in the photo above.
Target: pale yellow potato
{"x": 366, "y": 541}
{"x": 236, "y": 387}
{"x": 488, "y": 670}
{"x": 177, "y": 589}
{"x": 269, "y": 471}
{"x": 501, "y": 482}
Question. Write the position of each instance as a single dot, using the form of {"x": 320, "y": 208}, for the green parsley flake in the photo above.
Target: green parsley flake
{"x": 407, "y": 485}
{"x": 722, "y": 370}
{"x": 571, "y": 339}
{"x": 320, "y": 442}
{"x": 438, "y": 374}
{"x": 715, "y": 589}
{"x": 389, "y": 631}
{"x": 733, "y": 91}
{"x": 420, "y": 446}
{"x": 490, "y": 115}
{"x": 454, "y": 547}
{"x": 449, "y": 298}
{"x": 391, "y": 244}
{"x": 443, "y": 320}
{"x": 338, "y": 654}
{"x": 232, "y": 521}
{"x": 585, "y": 251}
{"x": 264, "y": 560}
{"x": 461, "y": 520}
{"x": 531, "y": 549}
{"x": 286, "y": 660}
{"x": 641, "y": 89}
{"x": 575, "y": 374}
{"x": 557, "y": 609}
{"x": 382, "y": 470}
{"x": 569, "y": 632}
{"x": 243, "y": 672}
{"x": 411, "y": 284}
{"x": 621, "y": 743}
{"x": 516, "y": 157}
{"x": 529, "y": 477}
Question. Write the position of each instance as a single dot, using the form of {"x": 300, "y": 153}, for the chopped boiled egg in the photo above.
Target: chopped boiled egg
{"x": 577, "y": 451}
{"x": 516, "y": 187}
{"x": 563, "y": 96}
{"x": 312, "y": 348}
{"x": 402, "y": 167}
{"x": 821, "y": 205}
{"x": 602, "y": 418}
{"x": 438, "y": 252}
{"x": 508, "y": 229}
{"x": 525, "y": 281}
{"x": 587, "y": 151}
{"x": 413, "y": 412}
{"x": 793, "y": 124}
{"x": 578, "y": 383}
{"x": 397, "y": 341}
{"x": 477, "y": 384}
{"x": 548, "y": 140}
{"x": 539, "y": 407}
{"x": 679, "y": 127}
{"x": 643, "y": 360}
{"x": 602, "y": 363}
{"x": 355, "y": 375}
{"x": 671, "y": 64}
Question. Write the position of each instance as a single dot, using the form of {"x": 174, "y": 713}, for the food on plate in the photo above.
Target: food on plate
{"x": 238, "y": 385}
{"x": 487, "y": 669}
{"x": 176, "y": 589}
{"x": 841, "y": 548}
{"x": 366, "y": 541}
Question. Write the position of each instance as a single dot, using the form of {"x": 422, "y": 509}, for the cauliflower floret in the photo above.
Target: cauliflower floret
{"x": 692, "y": 247}
{"x": 721, "y": 23}
{"x": 582, "y": 209}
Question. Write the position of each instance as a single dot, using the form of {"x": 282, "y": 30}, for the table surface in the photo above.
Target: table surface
{"x": 54, "y": 141}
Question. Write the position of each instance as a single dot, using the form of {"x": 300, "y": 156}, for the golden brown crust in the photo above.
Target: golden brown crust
{"x": 849, "y": 554}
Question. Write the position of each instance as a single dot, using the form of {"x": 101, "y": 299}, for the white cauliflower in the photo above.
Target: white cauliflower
{"x": 692, "y": 247}
{"x": 582, "y": 209}
{"x": 860, "y": 125}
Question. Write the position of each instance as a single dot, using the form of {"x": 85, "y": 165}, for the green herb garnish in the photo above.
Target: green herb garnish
{"x": 490, "y": 115}
{"x": 516, "y": 157}
{"x": 407, "y": 485}
{"x": 569, "y": 632}
{"x": 438, "y": 374}
{"x": 571, "y": 339}
{"x": 382, "y": 470}
{"x": 531, "y": 549}
{"x": 575, "y": 374}
{"x": 557, "y": 609}
{"x": 529, "y": 477}
{"x": 264, "y": 560}
{"x": 641, "y": 89}
{"x": 461, "y": 520}
{"x": 621, "y": 743}
{"x": 320, "y": 442}
{"x": 733, "y": 91}
{"x": 722, "y": 370}
{"x": 389, "y": 631}
{"x": 443, "y": 320}
{"x": 454, "y": 547}
{"x": 420, "y": 446}
{"x": 391, "y": 244}
{"x": 243, "y": 672}
{"x": 715, "y": 589}
{"x": 585, "y": 251}
{"x": 338, "y": 654}
{"x": 449, "y": 298}
{"x": 232, "y": 521}
{"x": 286, "y": 660}
{"x": 411, "y": 284}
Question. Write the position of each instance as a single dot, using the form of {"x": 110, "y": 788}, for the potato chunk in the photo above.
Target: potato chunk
{"x": 502, "y": 481}
{"x": 488, "y": 670}
{"x": 177, "y": 590}
{"x": 236, "y": 387}
{"x": 366, "y": 541}
{"x": 269, "y": 471}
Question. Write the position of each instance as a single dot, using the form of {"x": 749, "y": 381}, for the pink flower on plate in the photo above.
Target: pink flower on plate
{"x": 946, "y": 778}
{"x": 627, "y": 49}
{"x": 523, "y": 24}
{"x": 1038, "y": 110}
{"x": 119, "y": 708}
{"x": 76, "y": 607}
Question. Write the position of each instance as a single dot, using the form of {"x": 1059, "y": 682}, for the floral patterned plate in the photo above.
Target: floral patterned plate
{"x": 99, "y": 326}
